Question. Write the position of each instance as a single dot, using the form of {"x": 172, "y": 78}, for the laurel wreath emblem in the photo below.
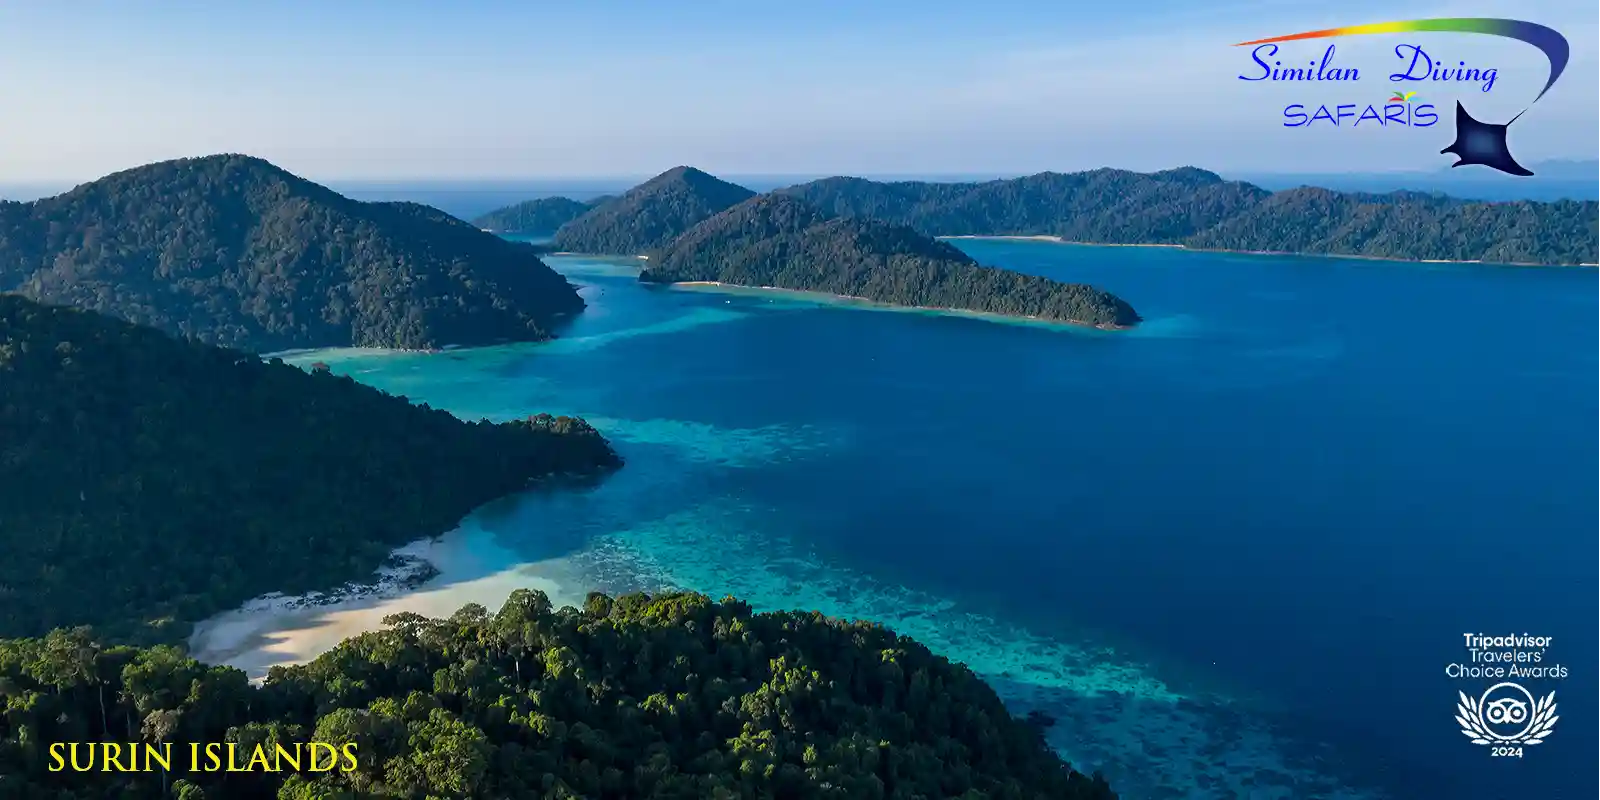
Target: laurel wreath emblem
{"x": 1469, "y": 713}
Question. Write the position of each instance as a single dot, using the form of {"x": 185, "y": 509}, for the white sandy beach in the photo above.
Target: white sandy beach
{"x": 1057, "y": 239}
{"x": 276, "y": 630}
{"x": 866, "y": 303}
{"x": 334, "y": 353}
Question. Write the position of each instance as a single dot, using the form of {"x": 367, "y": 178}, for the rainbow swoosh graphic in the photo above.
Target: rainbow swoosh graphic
{"x": 1552, "y": 43}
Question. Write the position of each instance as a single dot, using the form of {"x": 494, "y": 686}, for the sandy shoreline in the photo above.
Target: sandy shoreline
{"x": 1039, "y": 238}
{"x": 962, "y": 311}
{"x": 338, "y": 351}
{"x": 461, "y": 567}
{"x": 1059, "y": 240}
{"x": 575, "y": 254}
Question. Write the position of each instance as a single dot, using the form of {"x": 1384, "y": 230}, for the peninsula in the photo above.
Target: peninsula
{"x": 1194, "y": 208}
{"x": 236, "y": 252}
{"x": 650, "y": 215}
{"x": 151, "y": 481}
{"x": 779, "y": 241}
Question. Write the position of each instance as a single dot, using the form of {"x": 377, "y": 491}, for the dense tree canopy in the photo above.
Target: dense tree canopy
{"x": 236, "y": 252}
{"x": 669, "y": 698}
{"x": 1196, "y": 208}
{"x": 145, "y": 478}
{"x": 1103, "y": 205}
{"x": 651, "y": 214}
{"x": 543, "y": 215}
{"x": 1412, "y": 226}
{"x": 784, "y": 242}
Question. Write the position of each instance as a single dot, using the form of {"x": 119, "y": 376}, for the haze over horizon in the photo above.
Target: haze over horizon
{"x": 403, "y": 90}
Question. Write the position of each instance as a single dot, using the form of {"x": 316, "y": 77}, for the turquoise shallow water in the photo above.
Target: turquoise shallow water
{"x": 1230, "y": 551}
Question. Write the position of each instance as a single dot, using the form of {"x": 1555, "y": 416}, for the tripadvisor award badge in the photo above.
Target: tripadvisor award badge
{"x": 1507, "y": 716}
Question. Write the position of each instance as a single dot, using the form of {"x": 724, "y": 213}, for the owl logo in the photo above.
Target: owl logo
{"x": 1506, "y": 714}
{"x": 1505, "y": 711}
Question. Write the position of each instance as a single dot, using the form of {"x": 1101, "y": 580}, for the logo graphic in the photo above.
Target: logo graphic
{"x": 1476, "y": 142}
{"x": 1404, "y": 99}
{"x": 1506, "y": 714}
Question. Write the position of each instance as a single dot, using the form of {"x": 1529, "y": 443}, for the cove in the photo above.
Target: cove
{"x": 1231, "y": 551}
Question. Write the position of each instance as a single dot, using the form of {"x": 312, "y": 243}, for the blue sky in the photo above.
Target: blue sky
{"x": 400, "y": 89}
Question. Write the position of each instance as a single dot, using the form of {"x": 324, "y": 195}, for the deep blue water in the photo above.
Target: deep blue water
{"x": 1232, "y": 551}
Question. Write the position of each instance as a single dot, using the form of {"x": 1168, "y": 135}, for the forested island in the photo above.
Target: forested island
{"x": 783, "y": 242}
{"x": 234, "y": 251}
{"x": 673, "y": 697}
{"x": 543, "y": 215}
{"x": 1412, "y": 226}
{"x": 651, "y": 214}
{"x": 147, "y": 482}
{"x": 1195, "y": 208}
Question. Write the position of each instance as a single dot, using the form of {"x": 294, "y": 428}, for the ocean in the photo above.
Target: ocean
{"x": 1231, "y": 552}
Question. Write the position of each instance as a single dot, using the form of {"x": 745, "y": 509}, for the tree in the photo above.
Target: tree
{"x": 158, "y": 727}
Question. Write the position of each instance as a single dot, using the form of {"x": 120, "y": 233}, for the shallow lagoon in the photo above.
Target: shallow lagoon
{"x": 1231, "y": 551}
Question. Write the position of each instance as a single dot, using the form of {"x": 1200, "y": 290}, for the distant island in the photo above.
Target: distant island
{"x": 543, "y": 215}
{"x": 234, "y": 251}
{"x": 672, "y": 696}
{"x": 150, "y": 481}
{"x": 1198, "y": 209}
{"x": 782, "y": 242}
{"x": 651, "y": 214}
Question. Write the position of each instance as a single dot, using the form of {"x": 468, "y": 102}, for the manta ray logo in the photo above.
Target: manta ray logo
{"x": 1476, "y": 142}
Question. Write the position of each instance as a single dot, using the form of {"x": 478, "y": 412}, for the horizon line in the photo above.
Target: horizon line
{"x": 930, "y": 176}
{"x": 641, "y": 176}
